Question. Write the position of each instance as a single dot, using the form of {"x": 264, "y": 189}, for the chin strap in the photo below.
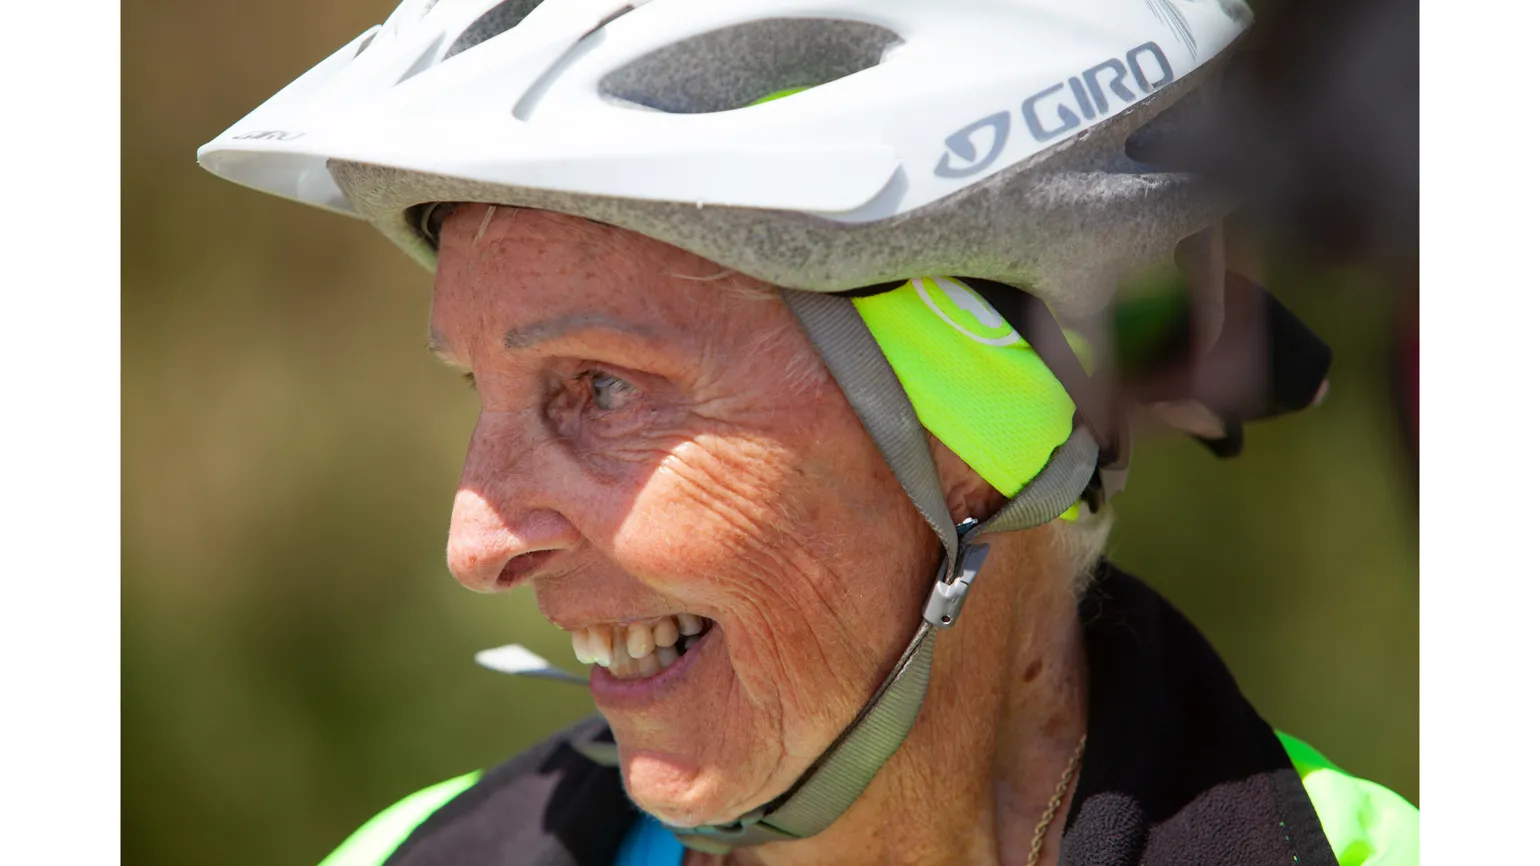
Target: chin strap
{"x": 839, "y": 776}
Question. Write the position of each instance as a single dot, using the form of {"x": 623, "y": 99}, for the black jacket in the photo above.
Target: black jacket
{"x": 1178, "y": 769}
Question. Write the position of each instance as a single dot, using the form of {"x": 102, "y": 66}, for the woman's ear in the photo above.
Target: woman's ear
{"x": 967, "y": 493}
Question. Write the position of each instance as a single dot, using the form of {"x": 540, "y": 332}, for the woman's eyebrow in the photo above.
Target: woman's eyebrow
{"x": 524, "y": 336}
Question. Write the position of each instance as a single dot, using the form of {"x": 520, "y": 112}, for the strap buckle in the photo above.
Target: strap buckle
{"x": 952, "y": 583}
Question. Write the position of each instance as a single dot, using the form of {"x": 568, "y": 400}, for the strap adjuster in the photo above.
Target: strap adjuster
{"x": 952, "y": 584}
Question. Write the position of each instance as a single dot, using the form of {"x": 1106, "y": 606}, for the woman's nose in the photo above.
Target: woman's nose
{"x": 492, "y": 549}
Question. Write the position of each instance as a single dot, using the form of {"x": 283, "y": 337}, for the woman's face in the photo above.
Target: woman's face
{"x": 652, "y": 444}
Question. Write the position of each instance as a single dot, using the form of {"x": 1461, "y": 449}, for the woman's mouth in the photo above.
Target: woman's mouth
{"x": 637, "y": 650}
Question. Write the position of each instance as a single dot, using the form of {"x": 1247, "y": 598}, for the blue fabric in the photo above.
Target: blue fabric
{"x": 648, "y": 843}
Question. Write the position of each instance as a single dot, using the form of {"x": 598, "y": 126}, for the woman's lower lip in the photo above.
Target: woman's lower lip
{"x": 615, "y": 693}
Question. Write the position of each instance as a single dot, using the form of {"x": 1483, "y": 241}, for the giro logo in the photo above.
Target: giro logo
{"x": 960, "y": 143}
{"x": 1091, "y": 89}
{"x": 967, "y": 313}
{"x": 1052, "y": 112}
{"x": 270, "y": 135}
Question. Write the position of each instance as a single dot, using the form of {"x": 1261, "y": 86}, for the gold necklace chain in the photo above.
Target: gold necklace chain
{"x": 1053, "y": 805}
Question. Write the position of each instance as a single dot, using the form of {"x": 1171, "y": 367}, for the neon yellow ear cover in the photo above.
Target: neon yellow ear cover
{"x": 974, "y": 382}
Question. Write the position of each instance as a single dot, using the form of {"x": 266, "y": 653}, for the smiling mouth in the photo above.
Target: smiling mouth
{"x": 635, "y": 650}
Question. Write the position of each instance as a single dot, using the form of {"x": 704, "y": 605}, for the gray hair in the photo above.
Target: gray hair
{"x": 1083, "y": 542}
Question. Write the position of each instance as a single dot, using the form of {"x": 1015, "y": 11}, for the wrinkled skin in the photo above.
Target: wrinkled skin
{"x": 733, "y": 482}
{"x": 654, "y": 442}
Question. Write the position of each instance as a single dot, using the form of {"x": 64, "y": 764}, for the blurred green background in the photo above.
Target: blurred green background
{"x": 295, "y": 654}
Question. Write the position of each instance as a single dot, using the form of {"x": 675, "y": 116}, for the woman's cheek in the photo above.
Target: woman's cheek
{"x": 625, "y": 454}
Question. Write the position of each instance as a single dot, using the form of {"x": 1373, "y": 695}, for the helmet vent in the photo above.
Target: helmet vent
{"x": 366, "y": 42}
{"x": 424, "y": 60}
{"x": 732, "y": 67}
{"x": 493, "y": 22}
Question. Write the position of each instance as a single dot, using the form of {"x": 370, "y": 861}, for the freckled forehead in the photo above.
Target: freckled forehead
{"x": 524, "y": 266}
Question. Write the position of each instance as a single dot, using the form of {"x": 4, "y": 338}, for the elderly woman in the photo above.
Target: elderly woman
{"x": 755, "y": 462}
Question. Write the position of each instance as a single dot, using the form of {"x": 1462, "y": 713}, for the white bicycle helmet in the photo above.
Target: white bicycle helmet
{"x": 978, "y": 137}
{"x": 837, "y": 147}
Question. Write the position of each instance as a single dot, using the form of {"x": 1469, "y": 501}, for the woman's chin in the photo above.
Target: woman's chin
{"x": 678, "y": 795}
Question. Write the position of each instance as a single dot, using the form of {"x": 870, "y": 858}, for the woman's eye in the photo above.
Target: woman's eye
{"x": 609, "y": 392}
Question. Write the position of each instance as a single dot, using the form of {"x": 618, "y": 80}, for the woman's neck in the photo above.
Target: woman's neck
{"x": 1003, "y": 715}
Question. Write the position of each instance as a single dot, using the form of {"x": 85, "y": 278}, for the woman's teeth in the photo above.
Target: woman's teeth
{"x": 639, "y": 649}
